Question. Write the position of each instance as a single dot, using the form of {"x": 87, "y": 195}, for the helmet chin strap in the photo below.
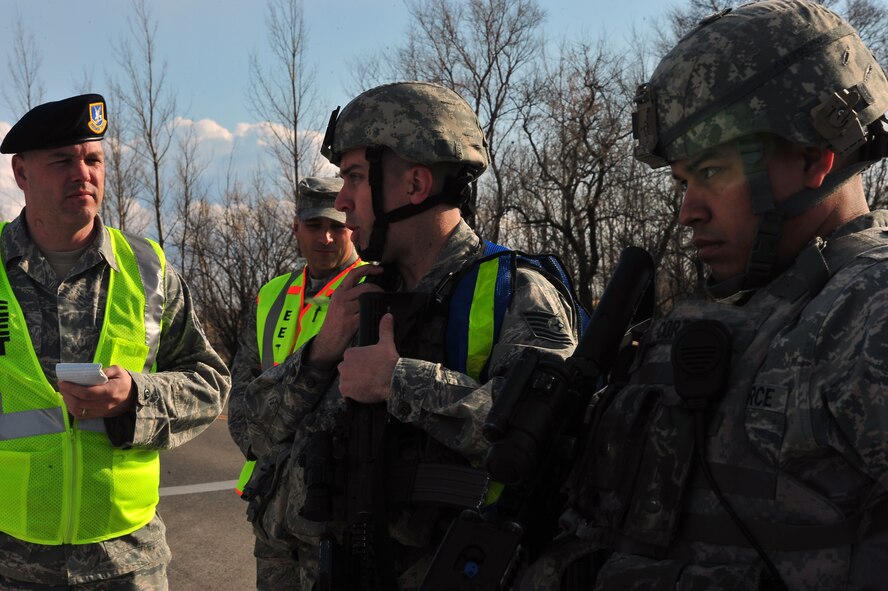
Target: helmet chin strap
{"x": 382, "y": 219}
{"x": 376, "y": 242}
{"x": 760, "y": 267}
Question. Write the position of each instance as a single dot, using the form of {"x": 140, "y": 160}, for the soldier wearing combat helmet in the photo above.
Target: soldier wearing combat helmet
{"x": 407, "y": 153}
{"x": 762, "y": 458}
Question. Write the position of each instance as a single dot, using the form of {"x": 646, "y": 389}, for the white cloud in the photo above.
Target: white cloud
{"x": 252, "y": 141}
{"x": 11, "y": 198}
{"x": 205, "y": 129}
{"x": 242, "y": 129}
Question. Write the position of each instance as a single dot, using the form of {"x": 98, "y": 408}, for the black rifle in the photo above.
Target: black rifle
{"x": 536, "y": 428}
{"x": 365, "y": 561}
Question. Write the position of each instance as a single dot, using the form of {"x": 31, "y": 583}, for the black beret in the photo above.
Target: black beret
{"x": 69, "y": 121}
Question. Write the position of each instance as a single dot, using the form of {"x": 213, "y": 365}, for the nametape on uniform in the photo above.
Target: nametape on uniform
{"x": 767, "y": 397}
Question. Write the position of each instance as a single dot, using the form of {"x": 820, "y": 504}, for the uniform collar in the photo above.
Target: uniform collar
{"x": 18, "y": 246}
{"x": 461, "y": 249}
{"x": 874, "y": 219}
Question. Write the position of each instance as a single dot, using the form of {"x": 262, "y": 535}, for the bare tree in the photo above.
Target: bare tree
{"x": 248, "y": 226}
{"x": 572, "y": 128}
{"x": 120, "y": 206}
{"x": 191, "y": 190}
{"x": 581, "y": 192}
{"x": 149, "y": 104}
{"x": 875, "y": 179}
{"x": 281, "y": 93}
{"x": 24, "y": 70}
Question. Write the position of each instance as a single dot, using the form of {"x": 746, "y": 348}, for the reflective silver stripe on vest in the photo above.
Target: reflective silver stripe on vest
{"x": 152, "y": 283}
{"x": 94, "y": 425}
{"x": 274, "y": 314}
{"x": 31, "y": 423}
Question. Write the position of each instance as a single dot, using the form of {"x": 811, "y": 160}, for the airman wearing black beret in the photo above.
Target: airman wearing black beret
{"x": 75, "y": 290}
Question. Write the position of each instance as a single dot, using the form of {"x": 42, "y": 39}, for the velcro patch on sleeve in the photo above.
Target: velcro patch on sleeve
{"x": 547, "y": 326}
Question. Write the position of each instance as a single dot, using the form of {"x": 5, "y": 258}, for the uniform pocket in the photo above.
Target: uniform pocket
{"x": 128, "y": 354}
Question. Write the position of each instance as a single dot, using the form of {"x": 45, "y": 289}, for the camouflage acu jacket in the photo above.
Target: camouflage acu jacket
{"x": 176, "y": 403}
{"x": 294, "y": 399}
{"x": 798, "y": 443}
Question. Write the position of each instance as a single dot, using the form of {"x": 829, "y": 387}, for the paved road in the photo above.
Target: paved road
{"x": 207, "y": 530}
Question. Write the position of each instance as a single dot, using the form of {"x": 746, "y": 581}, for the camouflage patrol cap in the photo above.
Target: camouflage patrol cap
{"x": 70, "y": 121}
{"x": 420, "y": 121}
{"x": 787, "y": 67}
{"x": 316, "y": 196}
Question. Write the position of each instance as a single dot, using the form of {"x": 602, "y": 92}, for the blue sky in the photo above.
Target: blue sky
{"x": 206, "y": 45}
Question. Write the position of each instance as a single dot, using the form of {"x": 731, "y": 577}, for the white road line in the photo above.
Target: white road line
{"x": 188, "y": 489}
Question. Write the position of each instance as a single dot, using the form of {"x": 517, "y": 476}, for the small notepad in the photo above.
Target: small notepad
{"x": 85, "y": 374}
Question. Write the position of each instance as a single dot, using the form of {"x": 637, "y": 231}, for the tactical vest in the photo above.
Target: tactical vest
{"x": 61, "y": 480}
{"x": 638, "y": 481}
{"x": 284, "y": 322}
{"x": 423, "y": 477}
{"x": 460, "y": 329}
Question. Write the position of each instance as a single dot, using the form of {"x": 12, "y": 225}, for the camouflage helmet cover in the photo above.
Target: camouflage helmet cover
{"x": 788, "y": 67}
{"x": 420, "y": 121}
{"x": 316, "y": 196}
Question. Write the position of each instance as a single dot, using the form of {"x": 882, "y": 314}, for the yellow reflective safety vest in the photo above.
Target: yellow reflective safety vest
{"x": 285, "y": 320}
{"x": 61, "y": 480}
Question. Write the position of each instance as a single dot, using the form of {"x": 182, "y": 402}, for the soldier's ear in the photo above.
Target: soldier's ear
{"x": 19, "y": 171}
{"x": 421, "y": 180}
{"x": 296, "y": 227}
{"x": 819, "y": 162}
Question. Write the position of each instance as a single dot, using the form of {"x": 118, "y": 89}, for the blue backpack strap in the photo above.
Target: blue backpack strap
{"x": 481, "y": 297}
{"x": 477, "y": 306}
